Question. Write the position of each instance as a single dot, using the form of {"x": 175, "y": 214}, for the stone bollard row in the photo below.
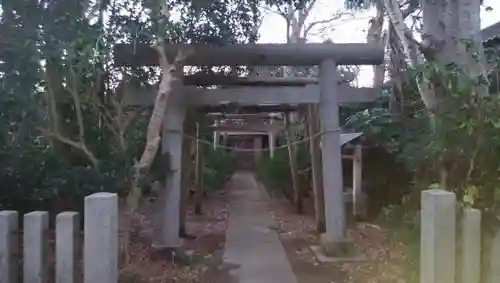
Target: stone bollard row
{"x": 100, "y": 244}
{"x": 438, "y": 241}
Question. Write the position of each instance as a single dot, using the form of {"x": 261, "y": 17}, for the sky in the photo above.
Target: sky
{"x": 349, "y": 29}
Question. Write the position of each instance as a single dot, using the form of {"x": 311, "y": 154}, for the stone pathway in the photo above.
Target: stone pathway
{"x": 252, "y": 247}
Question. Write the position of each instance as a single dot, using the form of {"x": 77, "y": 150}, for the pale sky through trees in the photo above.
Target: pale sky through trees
{"x": 273, "y": 29}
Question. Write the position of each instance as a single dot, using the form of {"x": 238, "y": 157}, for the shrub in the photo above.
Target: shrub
{"x": 275, "y": 172}
{"x": 218, "y": 166}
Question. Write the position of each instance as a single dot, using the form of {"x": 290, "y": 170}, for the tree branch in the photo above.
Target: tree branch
{"x": 78, "y": 145}
{"x": 403, "y": 32}
{"x": 256, "y": 27}
{"x": 279, "y": 13}
{"x": 54, "y": 124}
{"x": 304, "y": 13}
{"x": 51, "y": 101}
{"x": 412, "y": 7}
{"x": 73, "y": 90}
{"x": 334, "y": 17}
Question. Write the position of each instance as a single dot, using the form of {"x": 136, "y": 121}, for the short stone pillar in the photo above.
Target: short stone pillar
{"x": 471, "y": 246}
{"x": 170, "y": 201}
{"x": 9, "y": 246}
{"x": 100, "y": 255}
{"x": 36, "y": 247}
{"x": 493, "y": 275}
{"x": 331, "y": 159}
{"x": 437, "y": 242}
{"x": 67, "y": 247}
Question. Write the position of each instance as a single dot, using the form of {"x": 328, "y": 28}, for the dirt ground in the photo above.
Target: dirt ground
{"x": 385, "y": 258}
{"x": 204, "y": 248}
{"x": 297, "y": 233}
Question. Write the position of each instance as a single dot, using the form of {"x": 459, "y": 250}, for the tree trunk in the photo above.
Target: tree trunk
{"x": 447, "y": 24}
{"x": 303, "y": 116}
{"x": 396, "y": 17}
{"x": 187, "y": 170}
{"x": 292, "y": 153}
{"x": 303, "y": 172}
{"x": 152, "y": 144}
{"x": 375, "y": 36}
{"x": 397, "y": 70}
{"x": 293, "y": 37}
{"x": 297, "y": 32}
{"x": 199, "y": 186}
{"x": 469, "y": 30}
{"x": 317, "y": 177}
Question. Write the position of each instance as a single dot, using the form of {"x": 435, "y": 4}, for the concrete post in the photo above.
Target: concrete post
{"x": 8, "y": 246}
{"x": 36, "y": 247}
{"x": 471, "y": 246}
{"x": 216, "y": 134}
{"x": 172, "y": 137}
{"x": 331, "y": 158}
{"x": 101, "y": 238}
{"x": 67, "y": 247}
{"x": 437, "y": 242}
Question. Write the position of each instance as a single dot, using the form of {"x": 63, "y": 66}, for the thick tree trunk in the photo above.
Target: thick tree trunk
{"x": 447, "y": 24}
{"x": 469, "y": 24}
{"x": 451, "y": 36}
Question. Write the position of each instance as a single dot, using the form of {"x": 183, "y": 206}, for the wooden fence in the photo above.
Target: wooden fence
{"x": 100, "y": 245}
{"x": 440, "y": 238}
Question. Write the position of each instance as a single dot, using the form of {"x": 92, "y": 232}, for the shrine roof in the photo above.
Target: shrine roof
{"x": 491, "y": 34}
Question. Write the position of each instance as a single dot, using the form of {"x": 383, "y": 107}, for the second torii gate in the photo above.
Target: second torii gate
{"x": 328, "y": 93}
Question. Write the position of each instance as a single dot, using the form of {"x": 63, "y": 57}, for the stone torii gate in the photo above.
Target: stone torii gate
{"x": 273, "y": 127}
{"x": 251, "y": 126}
{"x": 328, "y": 92}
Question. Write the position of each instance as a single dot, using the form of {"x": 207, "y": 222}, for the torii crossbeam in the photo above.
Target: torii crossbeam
{"x": 271, "y": 54}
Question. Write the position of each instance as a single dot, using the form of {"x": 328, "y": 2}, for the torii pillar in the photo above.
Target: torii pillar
{"x": 272, "y": 143}
{"x": 334, "y": 238}
{"x": 271, "y": 140}
{"x": 216, "y": 134}
{"x": 167, "y": 234}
